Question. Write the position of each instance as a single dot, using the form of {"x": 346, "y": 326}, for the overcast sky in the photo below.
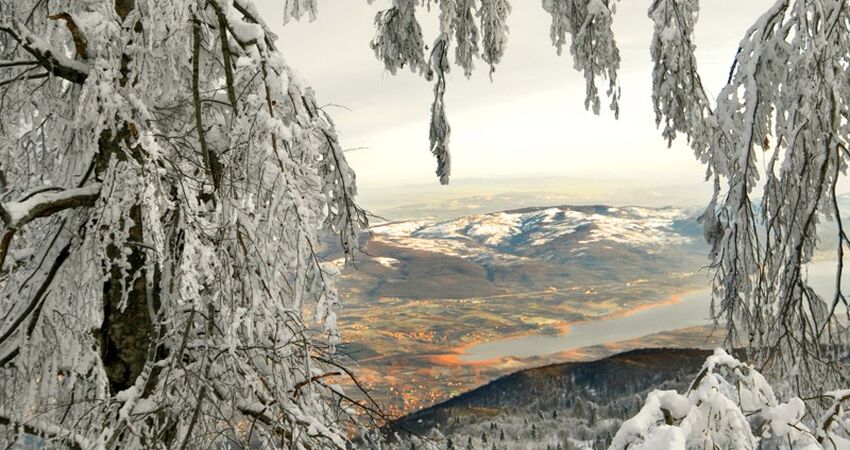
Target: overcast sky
{"x": 529, "y": 121}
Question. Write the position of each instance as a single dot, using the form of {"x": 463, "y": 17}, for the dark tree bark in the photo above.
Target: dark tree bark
{"x": 125, "y": 334}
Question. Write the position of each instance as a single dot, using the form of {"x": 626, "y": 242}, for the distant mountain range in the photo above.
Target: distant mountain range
{"x": 519, "y": 231}
{"x": 536, "y": 248}
{"x": 584, "y": 243}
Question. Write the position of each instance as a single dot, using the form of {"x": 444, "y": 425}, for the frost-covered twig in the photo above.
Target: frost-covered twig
{"x": 833, "y": 414}
{"x": 40, "y": 204}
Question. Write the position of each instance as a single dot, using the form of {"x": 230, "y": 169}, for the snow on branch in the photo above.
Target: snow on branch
{"x": 494, "y": 31}
{"x": 55, "y": 61}
{"x": 440, "y": 129}
{"x": 779, "y": 122}
{"x": 730, "y": 405}
{"x": 295, "y": 9}
{"x": 678, "y": 96}
{"x": 398, "y": 38}
{"x": 88, "y": 316}
{"x": 45, "y": 203}
{"x": 71, "y": 439}
{"x": 595, "y": 53}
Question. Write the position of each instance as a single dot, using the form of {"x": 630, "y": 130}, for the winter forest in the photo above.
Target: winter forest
{"x": 168, "y": 182}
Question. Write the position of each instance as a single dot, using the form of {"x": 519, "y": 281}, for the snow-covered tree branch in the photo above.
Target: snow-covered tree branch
{"x": 173, "y": 296}
{"x": 477, "y": 29}
{"x": 53, "y": 60}
{"x": 730, "y": 405}
{"x": 786, "y": 105}
{"x": 45, "y": 202}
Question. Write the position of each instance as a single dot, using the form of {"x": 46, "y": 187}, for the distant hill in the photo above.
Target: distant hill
{"x": 532, "y": 248}
{"x": 556, "y": 388}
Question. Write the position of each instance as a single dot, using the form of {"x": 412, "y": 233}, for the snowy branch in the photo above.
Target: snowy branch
{"x": 188, "y": 91}
{"x": 833, "y": 414}
{"x": 730, "y": 405}
{"x": 52, "y": 432}
{"x": 33, "y": 307}
{"x": 440, "y": 128}
{"x": 43, "y": 204}
{"x": 52, "y": 59}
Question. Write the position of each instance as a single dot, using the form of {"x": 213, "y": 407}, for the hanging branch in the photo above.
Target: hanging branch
{"x": 210, "y": 163}
{"x": 440, "y": 129}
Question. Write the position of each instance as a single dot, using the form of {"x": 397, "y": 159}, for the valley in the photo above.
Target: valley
{"x": 427, "y": 291}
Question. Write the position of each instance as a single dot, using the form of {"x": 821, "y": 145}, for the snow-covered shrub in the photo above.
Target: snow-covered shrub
{"x": 730, "y": 405}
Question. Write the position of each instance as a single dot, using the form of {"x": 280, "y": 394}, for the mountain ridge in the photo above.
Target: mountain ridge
{"x": 604, "y": 379}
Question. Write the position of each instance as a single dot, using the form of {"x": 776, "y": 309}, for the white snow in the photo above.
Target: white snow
{"x": 19, "y": 211}
{"x": 641, "y": 227}
{"x": 732, "y": 406}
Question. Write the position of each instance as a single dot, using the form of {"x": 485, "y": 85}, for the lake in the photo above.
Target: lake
{"x": 691, "y": 310}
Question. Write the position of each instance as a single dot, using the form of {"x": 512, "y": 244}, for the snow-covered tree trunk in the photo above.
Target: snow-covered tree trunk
{"x": 166, "y": 179}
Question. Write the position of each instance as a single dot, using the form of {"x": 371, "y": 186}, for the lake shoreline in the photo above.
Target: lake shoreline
{"x": 461, "y": 354}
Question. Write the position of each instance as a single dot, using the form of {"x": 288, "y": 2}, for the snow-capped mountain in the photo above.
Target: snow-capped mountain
{"x": 569, "y": 251}
{"x": 595, "y": 243}
{"x": 520, "y": 231}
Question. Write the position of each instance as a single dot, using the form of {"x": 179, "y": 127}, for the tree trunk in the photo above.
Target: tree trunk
{"x": 125, "y": 334}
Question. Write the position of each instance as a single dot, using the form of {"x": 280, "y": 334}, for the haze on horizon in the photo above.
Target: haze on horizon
{"x": 529, "y": 122}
